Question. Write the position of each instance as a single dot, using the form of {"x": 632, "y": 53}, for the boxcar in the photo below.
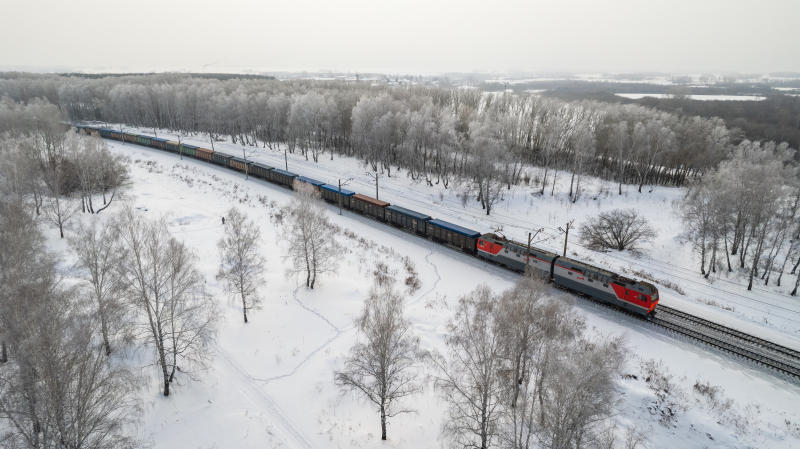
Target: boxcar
{"x": 132, "y": 138}
{"x": 369, "y": 206}
{"x": 220, "y": 159}
{"x": 116, "y": 135}
{"x": 203, "y": 153}
{"x": 311, "y": 181}
{"x": 156, "y": 142}
{"x": 259, "y": 170}
{"x": 330, "y": 193}
{"x": 281, "y": 177}
{"x": 452, "y": 234}
{"x": 143, "y": 140}
{"x": 407, "y": 219}
{"x": 171, "y": 146}
{"x": 105, "y": 132}
{"x": 237, "y": 163}
{"x": 189, "y": 150}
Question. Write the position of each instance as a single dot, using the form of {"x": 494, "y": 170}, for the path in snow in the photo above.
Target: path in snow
{"x": 256, "y": 395}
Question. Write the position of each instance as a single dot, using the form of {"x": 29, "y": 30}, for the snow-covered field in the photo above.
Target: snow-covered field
{"x": 270, "y": 383}
{"x": 767, "y": 311}
{"x": 700, "y": 97}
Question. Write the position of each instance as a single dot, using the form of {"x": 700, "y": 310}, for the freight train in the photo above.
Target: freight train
{"x": 603, "y": 285}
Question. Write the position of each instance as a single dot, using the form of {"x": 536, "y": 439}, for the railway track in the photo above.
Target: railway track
{"x": 779, "y": 359}
{"x": 783, "y": 351}
{"x": 787, "y": 366}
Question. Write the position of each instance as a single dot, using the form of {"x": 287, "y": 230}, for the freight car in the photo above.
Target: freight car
{"x": 636, "y": 296}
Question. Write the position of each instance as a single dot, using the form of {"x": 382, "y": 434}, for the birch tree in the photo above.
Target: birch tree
{"x": 163, "y": 284}
{"x": 57, "y": 387}
{"x": 469, "y": 379}
{"x": 381, "y": 364}
{"x": 99, "y": 256}
{"x": 313, "y": 249}
{"x": 242, "y": 265}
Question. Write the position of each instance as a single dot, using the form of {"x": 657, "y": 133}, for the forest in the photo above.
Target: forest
{"x": 464, "y": 138}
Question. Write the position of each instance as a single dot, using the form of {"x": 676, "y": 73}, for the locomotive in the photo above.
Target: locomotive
{"x": 636, "y": 296}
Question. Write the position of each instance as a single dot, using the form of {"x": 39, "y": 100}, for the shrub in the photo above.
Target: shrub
{"x": 619, "y": 229}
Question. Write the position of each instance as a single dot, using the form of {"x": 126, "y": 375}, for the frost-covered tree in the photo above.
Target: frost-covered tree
{"x": 161, "y": 281}
{"x": 469, "y": 378}
{"x": 98, "y": 257}
{"x": 242, "y": 265}
{"x": 57, "y": 387}
{"x": 580, "y": 392}
{"x": 96, "y": 172}
{"x": 618, "y": 229}
{"x": 487, "y": 179}
{"x": 380, "y": 366}
{"x": 312, "y": 246}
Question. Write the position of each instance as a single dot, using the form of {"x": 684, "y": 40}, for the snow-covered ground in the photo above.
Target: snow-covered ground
{"x": 270, "y": 383}
{"x": 700, "y": 97}
{"x": 766, "y": 311}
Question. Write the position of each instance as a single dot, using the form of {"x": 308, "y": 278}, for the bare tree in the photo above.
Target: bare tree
{"x": 470, "y": 381}
{"x": 98, "y": 172}
{"x": 312, "y": 247}
{"x": 618, "y": 229}
{"x": 487, "y": 147}
{"x": 161, "y": 281}
{"x": 99, "y": 255}
{"x": 381, "y": 367}
{"x": 88, "y": 402}
{"x": 529, "y": 326}
{"x": 58, "y": 207}
{"x": 57, "y": 389}
{"x": 580, "y": 393}
{"x": 242, "y": 265}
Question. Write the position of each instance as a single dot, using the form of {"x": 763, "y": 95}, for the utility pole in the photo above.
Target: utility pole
{"x": 285, "y": 159}
{"x": 246, "y": 174}
{"x": 122, "y": 134}
{"x": 340, "y": 192}
{"x": 180, "y": 150}
{"x": 528, "y": 254}
{"x": 374, "y": 176}
{"x": 566, "y": 235}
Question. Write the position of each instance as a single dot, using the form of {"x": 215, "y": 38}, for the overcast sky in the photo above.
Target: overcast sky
{"x": 411, "y": 36}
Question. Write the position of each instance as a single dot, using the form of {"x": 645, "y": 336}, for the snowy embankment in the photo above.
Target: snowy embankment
{"x": 766, "y": 311}
{"x": 270, "y": 383}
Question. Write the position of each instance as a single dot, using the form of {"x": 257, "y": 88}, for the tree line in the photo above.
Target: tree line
{"x": 57, "y": 171}
{"x": 438, "y": 135}
{"x": 743, "y": 214}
